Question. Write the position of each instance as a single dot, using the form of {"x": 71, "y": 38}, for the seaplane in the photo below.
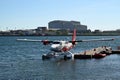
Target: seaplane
{"x": 61, "y": 49}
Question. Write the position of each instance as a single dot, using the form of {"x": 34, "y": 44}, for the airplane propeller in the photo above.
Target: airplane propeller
{"x": 46, "y": 42}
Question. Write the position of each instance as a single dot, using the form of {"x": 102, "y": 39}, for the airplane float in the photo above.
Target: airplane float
{"x": 62, "y": 49}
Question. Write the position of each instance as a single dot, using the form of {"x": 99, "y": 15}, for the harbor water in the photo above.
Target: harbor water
{"x": 23, "y": 61}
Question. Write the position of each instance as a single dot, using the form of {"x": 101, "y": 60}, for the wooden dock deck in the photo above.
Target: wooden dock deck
{"x": 94, "y": 53}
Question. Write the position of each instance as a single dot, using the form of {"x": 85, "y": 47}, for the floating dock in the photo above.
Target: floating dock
{"x": 99, "y": 52}
{"x": 116, "y": 52}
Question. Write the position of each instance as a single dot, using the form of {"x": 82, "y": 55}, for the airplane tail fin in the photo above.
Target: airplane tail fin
{"x": 74, "y": 37}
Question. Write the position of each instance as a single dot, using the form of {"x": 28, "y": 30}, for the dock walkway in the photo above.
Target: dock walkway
{"x": 94, "y": 53}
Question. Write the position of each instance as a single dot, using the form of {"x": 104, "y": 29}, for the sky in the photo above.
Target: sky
{"x": 30, "y": 14}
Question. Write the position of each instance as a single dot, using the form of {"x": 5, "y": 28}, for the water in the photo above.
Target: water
{"x": 22, "y": 60}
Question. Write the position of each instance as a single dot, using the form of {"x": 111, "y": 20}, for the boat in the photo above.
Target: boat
{"x": 99, "y": 55}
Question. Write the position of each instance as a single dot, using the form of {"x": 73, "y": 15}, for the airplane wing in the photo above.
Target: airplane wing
{"x": 29, "y": 40}
{"x": 45, "y": 42}
{"x": 89, "y": 40}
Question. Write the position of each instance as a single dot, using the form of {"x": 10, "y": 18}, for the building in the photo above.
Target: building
{"x": 66, "y": 25}
{"x": 41, "y": 28}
